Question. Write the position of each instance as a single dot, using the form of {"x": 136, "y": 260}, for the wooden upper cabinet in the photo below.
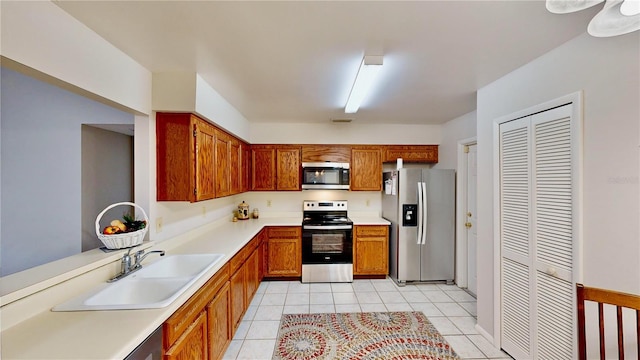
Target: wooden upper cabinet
{"x": 235, "y": 166}
{"x": 411, "y": 153}
{"x": 245, "y": 167}
{"x": 275, "y": 167}
{"x": 288, "y": 168}
{"x": 263, "y": 167}
{"x": 185, "y": 157}
{"x": 223, "y": 164}
{"x": 366, "y": 168}
{"x": 326, "y": 153}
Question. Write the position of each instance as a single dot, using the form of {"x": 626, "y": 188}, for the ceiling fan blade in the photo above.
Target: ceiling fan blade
{"x": 611, "y": 22}
{"x": 569, "y": 6}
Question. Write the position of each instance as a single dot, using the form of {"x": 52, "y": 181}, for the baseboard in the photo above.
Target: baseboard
{"x": 484, "y": 333}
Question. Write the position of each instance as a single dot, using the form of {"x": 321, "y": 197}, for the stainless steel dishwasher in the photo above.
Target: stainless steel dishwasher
{"x": 149, "y": 349}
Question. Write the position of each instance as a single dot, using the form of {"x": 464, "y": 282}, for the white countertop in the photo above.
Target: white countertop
{"x": 115, "y": 334}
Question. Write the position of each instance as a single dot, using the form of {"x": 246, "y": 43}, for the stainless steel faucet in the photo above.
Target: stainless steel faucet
{"x": 127, "y": 267}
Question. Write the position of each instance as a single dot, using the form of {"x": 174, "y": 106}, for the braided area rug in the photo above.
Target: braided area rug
{"x": 360, "y": 336}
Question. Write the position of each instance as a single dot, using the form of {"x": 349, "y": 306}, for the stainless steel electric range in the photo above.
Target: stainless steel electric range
{"x": 327, "y": 242}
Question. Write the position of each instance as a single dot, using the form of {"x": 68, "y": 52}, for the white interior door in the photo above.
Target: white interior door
{"x": 472, "y": 245}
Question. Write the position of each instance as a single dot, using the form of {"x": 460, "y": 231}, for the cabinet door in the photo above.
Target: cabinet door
{"x": 330, "y": 153}
{"x": 238, "y": 286}
{"x": 288, "y": 172}
{"x": 411, "y": 153}
{"x": 205, "y": 139}
{"x": 220, "y": 334}
{"x": 193, "y": 342}
{"x": 174, "y": 157}
{"x": 262, "y": 251}
{"x": 252, "y": 273}
{"x": 366, "y": 169}
{"x": 371, "y": 250}
{"x": 235, "y": 166}
{"x": 284, "y": 251}
{"x": 223, "y": 163}
{"x": 284, "y": 257}
{"x": 245, "y": 167}
{"x": 263, "y": 168}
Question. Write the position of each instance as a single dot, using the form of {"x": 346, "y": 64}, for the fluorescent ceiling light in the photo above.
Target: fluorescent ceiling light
{"x": 369, "y": 69}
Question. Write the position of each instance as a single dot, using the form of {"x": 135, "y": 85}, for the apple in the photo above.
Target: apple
{"x": 110, "y": 230}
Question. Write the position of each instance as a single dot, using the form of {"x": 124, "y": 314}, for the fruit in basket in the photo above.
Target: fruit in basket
{"x": 132, "y": 224}
{"x": 119, "y": 224}
{"x": 110, "y": 230}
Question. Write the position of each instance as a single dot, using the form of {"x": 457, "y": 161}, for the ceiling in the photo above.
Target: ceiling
{"x": 295, "y": 61}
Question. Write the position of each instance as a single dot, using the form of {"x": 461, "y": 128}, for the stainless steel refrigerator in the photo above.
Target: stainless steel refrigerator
{"x": 420, "y": 204}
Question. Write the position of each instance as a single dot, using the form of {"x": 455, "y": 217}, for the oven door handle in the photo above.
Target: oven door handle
{"x": 327, "y": 227}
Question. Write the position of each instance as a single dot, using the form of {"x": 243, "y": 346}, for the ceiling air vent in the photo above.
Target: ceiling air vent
{"x": 341, "y": 121}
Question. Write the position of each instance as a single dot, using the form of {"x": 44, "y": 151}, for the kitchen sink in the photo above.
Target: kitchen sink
{"x": 154, "y": 286}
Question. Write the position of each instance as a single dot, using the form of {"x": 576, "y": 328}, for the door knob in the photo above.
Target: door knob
{"x": 468, "y": 225}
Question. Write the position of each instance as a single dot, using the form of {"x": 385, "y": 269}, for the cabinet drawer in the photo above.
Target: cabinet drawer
{"x": 290, "y": 232}
{"x": 371, "y": 230}
{"x": 243, "y": 254}
{"x": 219, "y": 279}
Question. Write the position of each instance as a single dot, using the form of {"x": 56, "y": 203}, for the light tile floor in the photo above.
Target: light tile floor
{"x": 450, "y": 309}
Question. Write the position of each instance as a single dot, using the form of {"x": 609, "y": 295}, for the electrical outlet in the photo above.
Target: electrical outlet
{"x": 368, "y": 202}
{"x": 268, "y": 203}
{"x": 204, "y": 211}
{"x": 159, "y": 225}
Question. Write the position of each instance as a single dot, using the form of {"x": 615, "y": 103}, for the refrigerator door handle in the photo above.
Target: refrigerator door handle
{"x": 425, "y": 207}
{"x": 420, "y": 215}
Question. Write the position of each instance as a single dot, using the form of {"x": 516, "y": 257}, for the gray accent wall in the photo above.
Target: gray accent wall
{"x": 41, "y": 202}
{"x": 107, "y": 178}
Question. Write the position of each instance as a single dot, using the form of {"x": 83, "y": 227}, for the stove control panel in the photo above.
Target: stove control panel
{"x": 329, "y": 205}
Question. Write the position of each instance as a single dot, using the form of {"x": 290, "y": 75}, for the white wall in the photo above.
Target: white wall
{"x": 42, "y": 36}
{"x": 352, "y": 133}
{"x": 460, "y": 128}
{"x": 607, "y": 71}
{"x": 188, "y": 92}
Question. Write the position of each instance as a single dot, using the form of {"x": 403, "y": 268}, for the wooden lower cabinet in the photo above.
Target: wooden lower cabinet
{"x": 219, "y": 323}
{"x": 200, "y": 329}
{"x": 284, "y": 251}
{"x": 371, "y": 250}
{"x": 192, "y": 344}
{"x": 252, "y": 274}
{"x": 204, "y": 326}
{"x": 238, "y": 284}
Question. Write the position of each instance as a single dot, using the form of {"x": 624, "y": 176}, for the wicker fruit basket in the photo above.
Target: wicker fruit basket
{"x": 122, "y": 240}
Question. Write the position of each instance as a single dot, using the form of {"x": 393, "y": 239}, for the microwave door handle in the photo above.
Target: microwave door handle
{"x": 420, "y": 210}
{"x": 425, "y": 208}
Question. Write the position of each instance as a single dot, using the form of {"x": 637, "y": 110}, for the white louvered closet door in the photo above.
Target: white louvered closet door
{"x": 553, "y": 232}
{"x": 515, "y": 205}
{"x": 537, "y": 235}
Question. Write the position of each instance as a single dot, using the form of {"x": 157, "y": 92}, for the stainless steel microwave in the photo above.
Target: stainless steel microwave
{"x": 325, "y": 175}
